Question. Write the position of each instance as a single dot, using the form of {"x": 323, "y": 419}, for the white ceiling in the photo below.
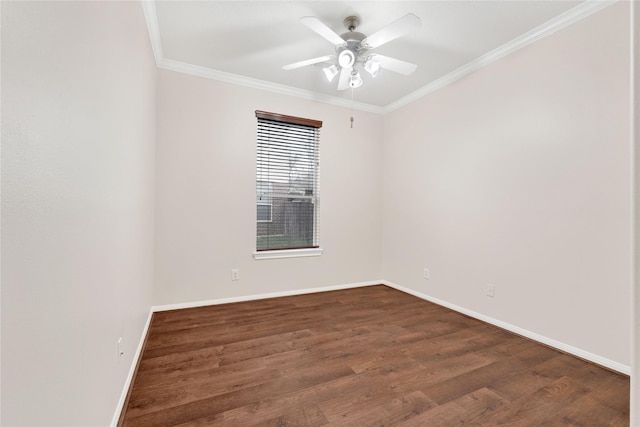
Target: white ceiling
{"x": 248, "y": 42}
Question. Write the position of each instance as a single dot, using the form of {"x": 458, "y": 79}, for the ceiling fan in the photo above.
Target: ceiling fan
{"x": 353, "y": 50}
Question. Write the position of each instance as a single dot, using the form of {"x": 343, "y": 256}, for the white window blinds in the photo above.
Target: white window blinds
{"x": 287, "y": 182}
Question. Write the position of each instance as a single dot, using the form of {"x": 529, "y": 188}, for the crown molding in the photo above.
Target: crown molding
{"x": 561, "y": 21}
{"x": 195, "y": 70}
{"x": 150, "y": 15}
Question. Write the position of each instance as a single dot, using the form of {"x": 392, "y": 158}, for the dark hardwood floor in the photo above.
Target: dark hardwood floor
{"x": 370, "y": 356}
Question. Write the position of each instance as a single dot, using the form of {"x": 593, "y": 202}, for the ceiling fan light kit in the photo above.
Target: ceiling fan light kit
{"x": 331, "y": 72}
{"x": 372, "y": 67}
{"x": 346, "y": 58}
{"x": 356, "y": 80}
{"x": 352, "y": 50}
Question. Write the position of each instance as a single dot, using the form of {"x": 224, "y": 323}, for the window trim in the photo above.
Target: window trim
{"x": 287, "y": 253}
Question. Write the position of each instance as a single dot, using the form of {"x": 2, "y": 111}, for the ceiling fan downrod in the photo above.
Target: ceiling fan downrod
{"x": 351, "y": 22}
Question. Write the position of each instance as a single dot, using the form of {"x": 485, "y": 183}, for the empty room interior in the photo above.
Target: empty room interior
{"x": 453, "y": 243}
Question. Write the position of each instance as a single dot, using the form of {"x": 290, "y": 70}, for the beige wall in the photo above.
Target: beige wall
{"x": 205, "y": 194}
{"x": 78, "y": 125}
{"x": 519, "y": 176}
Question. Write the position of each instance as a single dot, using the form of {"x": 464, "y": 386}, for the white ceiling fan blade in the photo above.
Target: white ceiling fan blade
{"x": 396, "y": 65}
{"x": 319, "y": 27}
{"x": 399, "y": 28}
{"x": 345, "y": 78}
{"x": 308, "y": 62}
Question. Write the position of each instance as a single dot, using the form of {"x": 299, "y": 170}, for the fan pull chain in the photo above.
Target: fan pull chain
{"x": 352, "y": 119}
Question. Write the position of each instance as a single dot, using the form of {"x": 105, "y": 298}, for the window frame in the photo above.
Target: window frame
{"x": 306, "y": 251}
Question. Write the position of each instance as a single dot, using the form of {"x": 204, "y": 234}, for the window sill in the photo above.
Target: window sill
{"x": 287, "y": 253}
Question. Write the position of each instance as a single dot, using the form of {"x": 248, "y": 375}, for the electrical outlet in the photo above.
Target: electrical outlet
{"x": 120, "y": 349}
{"x": 490, "y": 290}
{"x": 235, "y": 274}
{"x": 426, "y": 274}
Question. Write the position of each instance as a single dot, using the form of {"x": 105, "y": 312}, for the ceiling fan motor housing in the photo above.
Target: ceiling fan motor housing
{"x": 349, "y": 54}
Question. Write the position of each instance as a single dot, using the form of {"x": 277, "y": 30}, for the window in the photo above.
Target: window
{"x": 287, "y": 184}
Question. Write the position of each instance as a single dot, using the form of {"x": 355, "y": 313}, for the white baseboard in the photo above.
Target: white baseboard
{"x": 132, "y": 371}
{"x": 575, "y": 351}
{"x": 262, "y": 296}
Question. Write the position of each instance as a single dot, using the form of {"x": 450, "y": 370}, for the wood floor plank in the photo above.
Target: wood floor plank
{"x": 177, "y": 408}
{"x": 216, "y": 419}
{"x": 299, "y": 416}
{"x": 572, "y": 414}
{"x": 469, "y": 409}
{"x": 370, "y": 356}
{"x": 467, "y": 382}
{"x": 539, "y": 407}
{"x": 406, "y": 407}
